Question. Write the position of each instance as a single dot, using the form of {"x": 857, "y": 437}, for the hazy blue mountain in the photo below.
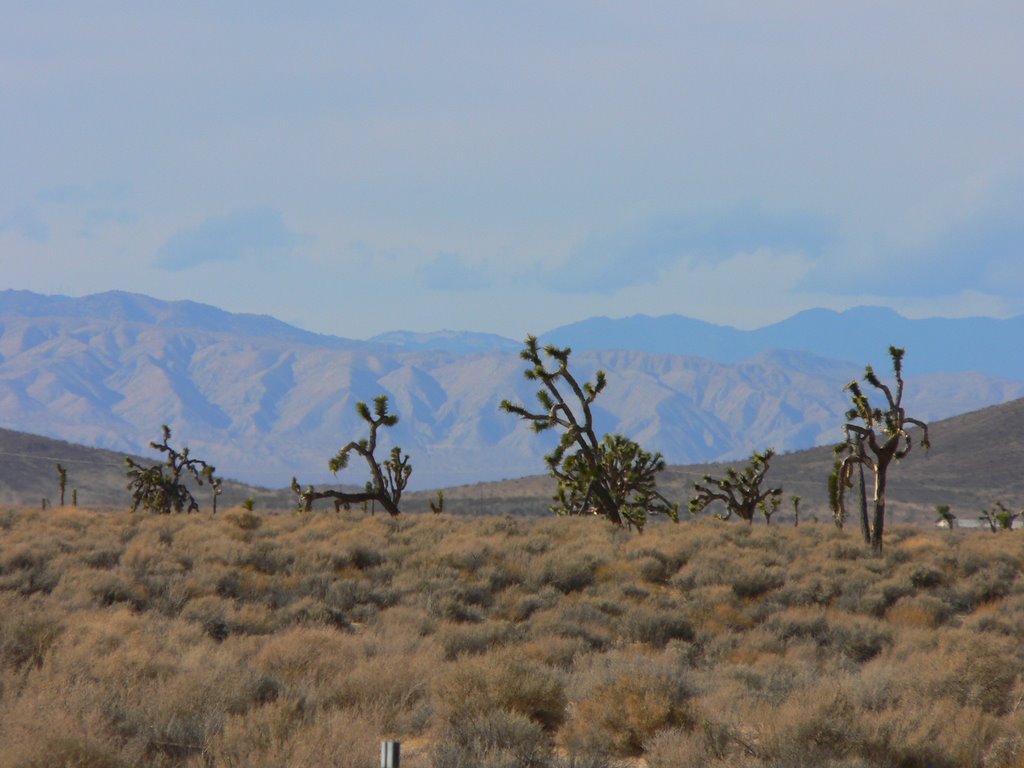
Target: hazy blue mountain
{"x": 860, "y": 335}
{"x": 265, "y": 401}
{"x": 135, "y": 308}
{"x": 668, "y": 335}
{"x": 456, "y": 342}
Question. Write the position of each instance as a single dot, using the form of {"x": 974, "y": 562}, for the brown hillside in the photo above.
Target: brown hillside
{"x": 28, "y": 474}
{"x": 975, "y": 459}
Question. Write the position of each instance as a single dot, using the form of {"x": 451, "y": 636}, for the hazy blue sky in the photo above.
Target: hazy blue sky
{"x": 509, "y": 167}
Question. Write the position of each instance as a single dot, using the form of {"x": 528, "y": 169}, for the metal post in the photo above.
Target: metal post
{"x": 390, "y": 754}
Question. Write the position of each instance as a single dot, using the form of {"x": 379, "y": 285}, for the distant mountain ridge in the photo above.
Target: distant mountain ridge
{"x": 265, "y": 401}
{"x": 121, "y": 306}
{"x": 937, "y": 345}
{"x": 456, "y": 342}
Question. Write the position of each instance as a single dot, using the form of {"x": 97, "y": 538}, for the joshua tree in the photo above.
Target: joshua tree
{"x": 160, "y": 487}
{"x": 945, "y": 516}
{"x": 216, "y": 485}
{"x": 613, "y": 476}
{"x": 62, "y": 479}
{"x": 388, "y": 479}
{"x": 796, "y": 510}
{"x": 999, "y": 518}
{"x": 839, "y": 509}
{"x": 740, "y": 491}
{"x": 437, "y": 507}
{"x": 879, "y": 438}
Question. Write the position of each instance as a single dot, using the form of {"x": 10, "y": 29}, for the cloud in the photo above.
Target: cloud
{"x": 84, "y": 194}
{"x": 450, "y": 272}
{"x": 97, "y": 219}
{"x": 983, "y": 251}
{"x": 640, "y": 255}
{"x": 26, "y": 223}
{"x": 239, "y": 235}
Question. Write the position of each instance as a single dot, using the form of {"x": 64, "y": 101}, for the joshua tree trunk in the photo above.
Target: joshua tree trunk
{"x": 879, "y": 526}
{"x": 865, "y": 523}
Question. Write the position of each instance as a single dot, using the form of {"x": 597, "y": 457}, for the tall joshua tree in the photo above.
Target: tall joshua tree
{"x": 612, "y": 476}
{"x": 875, "y": 437}
{"x": 388, "y": 480}
{"x": 62, "y": 479}
{"x": 740, "y": 491}
{"x": 217, "y": 487}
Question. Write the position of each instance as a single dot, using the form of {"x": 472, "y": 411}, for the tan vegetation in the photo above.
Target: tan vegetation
{"x": 304, "y": 640}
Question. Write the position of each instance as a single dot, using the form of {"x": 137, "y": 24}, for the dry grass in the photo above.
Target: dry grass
{"x": 251, "y": 640}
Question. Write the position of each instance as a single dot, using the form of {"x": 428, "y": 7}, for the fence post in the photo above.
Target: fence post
{"x": 390, "y": 754}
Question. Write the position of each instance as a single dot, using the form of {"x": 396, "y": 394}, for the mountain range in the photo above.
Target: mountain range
{"x": 265, "y": 401}
{"x": 935, "y": 345}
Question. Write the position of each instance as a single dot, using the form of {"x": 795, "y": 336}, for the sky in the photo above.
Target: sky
{"x": 356, "y": 168}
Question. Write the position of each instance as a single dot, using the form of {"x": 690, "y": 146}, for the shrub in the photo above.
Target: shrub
{"x": 245, "y": 519}
{"x": 70, "y": 751}
{"x": 474, "y": 639}
{"x": 621, "y": 715}
{"x": 27, "y": 636}
{"x": 502, "y": 680}
{"x": 285, "y": 733}
{"x": 656, "y": 626}
{"x": 622, "y": 698}
{"x": 861, "y": 640}
{"x": 493, "y": 739}
{"x": 175, "y": 655}
{"x": 572, "y": 573}
{"x": 754, "y": 583}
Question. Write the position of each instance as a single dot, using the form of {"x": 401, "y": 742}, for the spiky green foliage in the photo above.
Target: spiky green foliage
{"x": 835, "y": 488}
{"x": 740, "y": 491}
{"x": 838, "y": 512}
{"x": 387, "y": 479}
{"x": 874, "y": 438}
{"x": 437, "y": 507}
{"x": 612, "y": 476}
{"x": 162, "y": 488}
